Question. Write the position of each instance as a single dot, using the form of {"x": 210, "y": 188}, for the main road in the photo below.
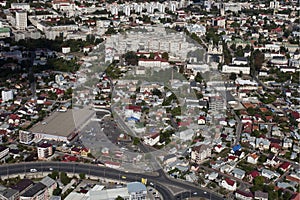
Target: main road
{"x": 160, "y": 181}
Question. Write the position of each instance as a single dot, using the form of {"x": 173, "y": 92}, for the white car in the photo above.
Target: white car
{"x": 33, "y": 170}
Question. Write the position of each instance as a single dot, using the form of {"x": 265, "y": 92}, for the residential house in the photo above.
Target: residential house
{"x": 212, "y": 176}
{"x": 152, "y": 139}
{"x": 218, "y": 148}
{"x": 232, "y": 158}
{"x": 262, "y": 143}
{"x": 238, "y": 173}
{"x": 229, "y": 184}
{"x": 226, "y": 168}
{"x": 269, "y": 174}
{"x": 287, "y": 143}
{"x": 259, "y": 195}
{"x": 199, "y": 153}
{"x": 201, "y": 120}
{"x": 285, "y": 166}
{"x": 285, "y": 185}
{"x": 252, "y": 175}
{"x": 85, "y": 152}
{"x": 239, "y": 154}
{"x": 169, "y": 159}
{"x": 192, "y": 177}
{"x": 275, "y": 148}
{"x": 243, "y": 195}
{"x": 272, "y": 160}
{"x": 75, "y": 150}
{"x": 186, "y": 134}
{"x": 252, "y": 158}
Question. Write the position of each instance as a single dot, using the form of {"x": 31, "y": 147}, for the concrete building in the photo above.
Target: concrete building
{"x": 236, "y": 69}
{"x": 25, "y": 137}
{"x": 20, "y": 6}
{"x": 7, "y": 95}
{"x": 9, "y": 194}
{"x": 3, "y": 151}
{"x": 21, "y": 20}
{"x": 137, "y": 190}
{"x": 4, "y": 32}
{"x": 38, "y": 191}
{"x": 133, "y": 191}
{"x": 50, "y": 184}
{"x": 126, "y": 10}
{"x": 215, "y": 52}
{"x": 44, "y": 151}
{"x": 199, "y": 153}
{"x": 217, "y": 103}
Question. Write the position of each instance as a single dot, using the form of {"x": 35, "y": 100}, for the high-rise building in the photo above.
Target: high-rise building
{"x": 44, "y": 151}
{"x": 114, "y": 10}
{"x": 126, "y": 10}
{"x": 21, "y": 20}
{"x": 7, "y": 95}
{"x": 25, "y": 137}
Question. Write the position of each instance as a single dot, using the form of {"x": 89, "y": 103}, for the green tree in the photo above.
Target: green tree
{"x": 82, "y": 176}
{"x": 64, "y": 178}
{"x": 251, "y": 111}
{"x": 232, "y": 76}
{"x": 273, "y": 195}
{"x": 198, "y": 77}
{"x": 151, "y": 56}
{"x": 131, "y": 58}
{"x": 110, "y": 31}
{"x": 136, "y": 141}
{"x": 259, "y": 181}
{"x": 54, "y": 175}
{"x": 119, "y": 198}
{"x": 57, "y": 192}
{"x": 156, "y": 92}
{"x": 176, "y": 111}
{"x": 165, "y": 55}
{"x": 286, "y": 195}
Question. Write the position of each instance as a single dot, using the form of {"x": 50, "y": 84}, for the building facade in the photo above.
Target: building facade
{"x": 44, "y": 151}
{"x": 21, "y": 20}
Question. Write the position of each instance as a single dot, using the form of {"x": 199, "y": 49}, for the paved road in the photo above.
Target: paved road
{"x": 159, "y": 181}
{"x": 239, "y": 128}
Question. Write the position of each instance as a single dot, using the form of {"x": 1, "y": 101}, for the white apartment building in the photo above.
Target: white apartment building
{"x": 236, "y": 69}
{"x": 7, "y": 95}
{"x": 199, "y": 153}
{"x": 21, "y": 20}
{"x": 126, "y": 10}
{"x": 25, "y": 137}
{"x": 20, "y": 6}
{"x": 44, "y": 151}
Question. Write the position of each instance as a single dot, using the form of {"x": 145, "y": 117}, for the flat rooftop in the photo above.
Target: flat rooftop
{"x": 63, "y": 123}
